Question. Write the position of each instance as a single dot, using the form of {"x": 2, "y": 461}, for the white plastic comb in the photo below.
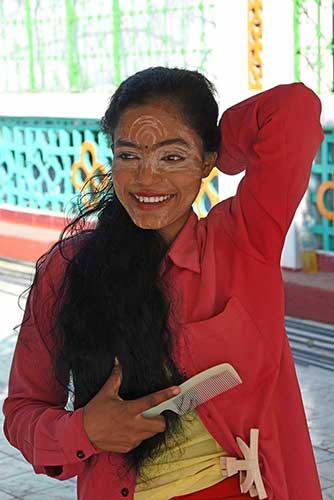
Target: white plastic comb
{"x": 199, "y": 389}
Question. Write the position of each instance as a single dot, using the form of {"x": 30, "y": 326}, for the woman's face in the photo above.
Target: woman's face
{"x": 157, "y": 155}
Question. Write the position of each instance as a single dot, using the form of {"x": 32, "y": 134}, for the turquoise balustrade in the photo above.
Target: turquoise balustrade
{"x": 323, "y": 172}
{"x": 36, "y": 157}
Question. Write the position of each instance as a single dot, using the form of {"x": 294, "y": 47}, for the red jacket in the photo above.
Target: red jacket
{"x": 225, "y": 268}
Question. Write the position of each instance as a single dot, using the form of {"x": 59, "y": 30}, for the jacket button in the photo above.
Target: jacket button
{"x": 125, "y": 492}
{"x": 80, "y": 454}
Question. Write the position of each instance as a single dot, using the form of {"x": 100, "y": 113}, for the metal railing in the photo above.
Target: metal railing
{"x": 63, "y": 45}
{"x": 313, "y": 44}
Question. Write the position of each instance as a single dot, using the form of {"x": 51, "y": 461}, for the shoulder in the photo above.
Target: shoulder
{"x": 212, "y": 225}
{"x": 215, "y": 215}
{"x": 224, "y": 229}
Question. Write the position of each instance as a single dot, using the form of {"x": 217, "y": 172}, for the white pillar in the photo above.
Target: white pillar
{"x": 230, "y": 59}
{"x": 278, "y": 43}
{"x": 231, "y": 51}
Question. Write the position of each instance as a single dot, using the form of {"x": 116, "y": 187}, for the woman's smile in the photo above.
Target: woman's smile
{"x": 152, "y": 202}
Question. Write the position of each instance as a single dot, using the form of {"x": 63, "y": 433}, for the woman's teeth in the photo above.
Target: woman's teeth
{"x": 152, "y": 199}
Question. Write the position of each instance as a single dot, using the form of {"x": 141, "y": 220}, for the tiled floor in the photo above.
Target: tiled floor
{"x": 17, "y": 479}
{"x": 317, "y": 386}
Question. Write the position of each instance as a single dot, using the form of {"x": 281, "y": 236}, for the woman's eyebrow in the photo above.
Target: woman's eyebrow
{"x": 166, "y": 142}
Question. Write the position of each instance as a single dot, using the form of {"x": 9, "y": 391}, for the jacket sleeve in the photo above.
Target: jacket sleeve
{"x": 36, "y": 423}
{"x": 274, "y": 135}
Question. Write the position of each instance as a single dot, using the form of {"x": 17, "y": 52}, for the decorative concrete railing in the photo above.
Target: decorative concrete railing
{"x": 321, "y": 191}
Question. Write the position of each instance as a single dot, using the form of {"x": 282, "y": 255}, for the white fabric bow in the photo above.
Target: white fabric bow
{"x": 251, "y": 480}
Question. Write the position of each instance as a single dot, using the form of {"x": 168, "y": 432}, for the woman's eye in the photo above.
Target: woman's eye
{"x": 126, "y": 155}
{"x": 173, "y": 158}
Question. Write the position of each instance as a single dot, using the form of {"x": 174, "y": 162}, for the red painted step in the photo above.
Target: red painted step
{"x": 26, "y": 235}
{"x": 309, "y": 296}
{"x": 28, "y": 243}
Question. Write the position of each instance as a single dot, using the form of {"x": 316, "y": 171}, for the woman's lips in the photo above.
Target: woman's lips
{"x": 149, "y": 205}
{"x": 151, "y": 195}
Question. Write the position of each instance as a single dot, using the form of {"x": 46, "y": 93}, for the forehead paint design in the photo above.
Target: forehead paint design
{"x": 149, "y": 130}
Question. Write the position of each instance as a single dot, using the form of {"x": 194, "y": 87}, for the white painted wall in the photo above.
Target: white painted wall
{"x": 231, "y": 51}
{"x": 278, "y": 43}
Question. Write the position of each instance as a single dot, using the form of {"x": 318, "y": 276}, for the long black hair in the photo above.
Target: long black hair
{"x": 111, "y": 301}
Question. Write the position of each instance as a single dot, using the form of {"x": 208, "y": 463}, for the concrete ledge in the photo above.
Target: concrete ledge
{"x": 32, "y": 217}
{"x": 309, "y": 296}
{"x": 325, "y": 261}
{"x": 27, "y": 234}
{"x": 19, "y": 241}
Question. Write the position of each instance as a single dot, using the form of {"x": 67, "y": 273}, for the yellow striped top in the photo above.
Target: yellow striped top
{"x": 183, "y": 470}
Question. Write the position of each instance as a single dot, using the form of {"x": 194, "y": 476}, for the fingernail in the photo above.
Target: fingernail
{"x": 116, "y": 361}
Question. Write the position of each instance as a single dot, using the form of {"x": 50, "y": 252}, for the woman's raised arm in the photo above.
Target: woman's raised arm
{"x": 274, "y": 135}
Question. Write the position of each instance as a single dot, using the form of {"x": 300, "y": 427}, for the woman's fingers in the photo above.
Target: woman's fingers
{"x": 151, "y": 425}
{"x": 139, "y": 405}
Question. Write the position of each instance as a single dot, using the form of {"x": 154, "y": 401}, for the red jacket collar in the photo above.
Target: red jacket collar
{"x": 183, "y": 251}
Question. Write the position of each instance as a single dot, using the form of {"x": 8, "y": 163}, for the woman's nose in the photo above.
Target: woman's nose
{"x": 146, "y": 170}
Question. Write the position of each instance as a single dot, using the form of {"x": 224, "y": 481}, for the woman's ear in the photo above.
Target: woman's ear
{"x": 209, "y": 163}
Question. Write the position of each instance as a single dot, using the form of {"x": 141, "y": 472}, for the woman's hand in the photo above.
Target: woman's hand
{"x": 113, "y": 424}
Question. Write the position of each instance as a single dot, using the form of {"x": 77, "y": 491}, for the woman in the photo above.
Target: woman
{"x": 167, "y": 296}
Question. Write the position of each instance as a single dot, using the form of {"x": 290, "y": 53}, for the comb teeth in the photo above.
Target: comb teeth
{"x": 205, "y": 390}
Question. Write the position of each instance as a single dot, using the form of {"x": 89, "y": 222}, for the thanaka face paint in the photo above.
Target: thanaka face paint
{"x": 155, "y": 154}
